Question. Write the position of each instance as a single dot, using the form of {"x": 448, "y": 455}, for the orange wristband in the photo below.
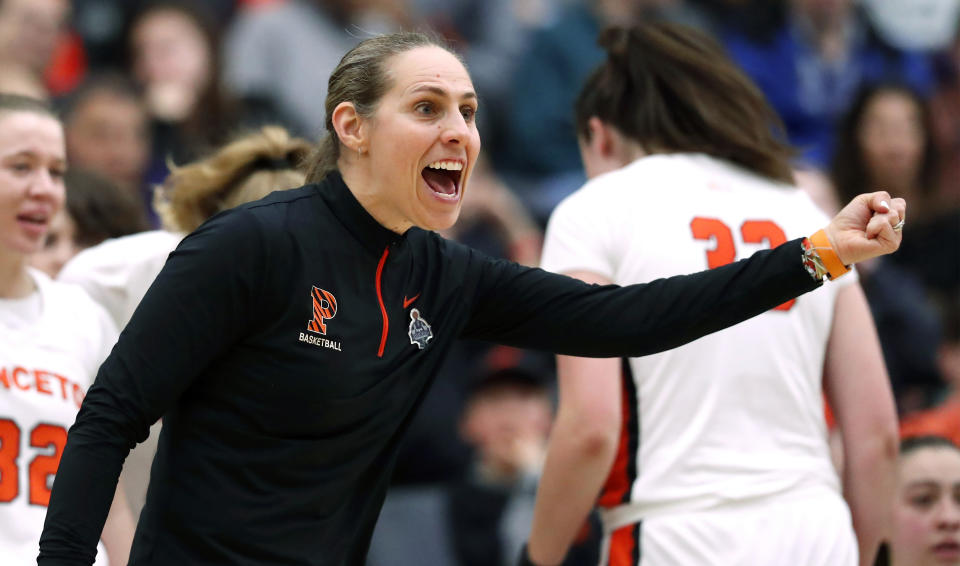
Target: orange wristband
{"x": 821, "y": 245}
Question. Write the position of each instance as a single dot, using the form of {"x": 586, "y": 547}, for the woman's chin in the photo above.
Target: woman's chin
{"x": 439, "y": 221}
{"x": 25, "y": 245}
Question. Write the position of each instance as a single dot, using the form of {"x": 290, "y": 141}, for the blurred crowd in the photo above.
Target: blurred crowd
{"x": 868, "y": 91}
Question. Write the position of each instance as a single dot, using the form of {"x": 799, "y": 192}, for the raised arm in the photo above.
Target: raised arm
{"x": 539, "y": 310}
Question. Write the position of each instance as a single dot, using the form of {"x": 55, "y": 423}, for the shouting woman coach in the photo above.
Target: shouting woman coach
{"x": 288, "y": 342}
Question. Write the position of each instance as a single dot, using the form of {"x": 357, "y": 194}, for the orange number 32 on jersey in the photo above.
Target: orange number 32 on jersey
{"x": 725, "y": 251}
{"x": 42, "y": 466}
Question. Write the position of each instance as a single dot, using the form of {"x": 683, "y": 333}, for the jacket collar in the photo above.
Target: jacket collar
{"x": 351, "y": 214}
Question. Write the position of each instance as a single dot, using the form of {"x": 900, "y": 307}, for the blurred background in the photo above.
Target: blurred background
{"x": 869, "y": 92}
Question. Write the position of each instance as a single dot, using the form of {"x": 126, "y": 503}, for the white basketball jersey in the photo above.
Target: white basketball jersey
{"x": 51, "y": 345}
{"x": 117, "y": 272}
{"x": 735, "y": 415}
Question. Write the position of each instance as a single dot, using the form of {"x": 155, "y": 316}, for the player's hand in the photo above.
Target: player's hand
{"x": 865, "y": 228}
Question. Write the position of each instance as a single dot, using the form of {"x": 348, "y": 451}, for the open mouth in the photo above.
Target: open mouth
{"x": 34, "y": 219}
{"x": 443, "y": 178}
{"x": 33, "y": 224}
{"x": 947, "y": 549}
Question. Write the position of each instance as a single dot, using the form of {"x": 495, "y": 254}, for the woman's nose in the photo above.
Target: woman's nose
{"x": 949, "y": 517}
{"x": 455, "y": 129}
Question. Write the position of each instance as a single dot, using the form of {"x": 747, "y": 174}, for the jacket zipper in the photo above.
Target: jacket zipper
{"x": 383, "y": 308}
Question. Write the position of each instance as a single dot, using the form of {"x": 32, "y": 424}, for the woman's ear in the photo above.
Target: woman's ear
{"x": 349, "y": 126}
{"x": 600, "y": 151}
{"x": 602, "y": 139}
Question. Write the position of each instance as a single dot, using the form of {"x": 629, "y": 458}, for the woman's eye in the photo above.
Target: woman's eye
{"x": 468, "y": 112}
{"x": 925, "y": 500}
{"x": 57, "y": 173}
{"x": 21, "y": 167}
{"x": 424, "y": 108}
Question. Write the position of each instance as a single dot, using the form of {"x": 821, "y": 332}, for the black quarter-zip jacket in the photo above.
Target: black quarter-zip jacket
{"x": 287, "y": 344}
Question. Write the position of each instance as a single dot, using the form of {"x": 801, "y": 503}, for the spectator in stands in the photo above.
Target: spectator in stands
{"x": 29, "y": 31}
{"x": 175, "y": 58}
{"x": 927, "y": 504}
{"x": 885, "y": 139}
{"x": 279, "y": 56}
{"x": 483, "y": 518}
{"x": 506, "y": 421}
{"x": 108, "y": 132}
{"x": 96, "y": 210}
{"x": 813, "y": 64}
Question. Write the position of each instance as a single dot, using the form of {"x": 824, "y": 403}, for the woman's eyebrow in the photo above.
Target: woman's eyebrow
{"x": 21, "y": 153}
{"x": 442, "y": 92}
{"x": 923, "y": 483}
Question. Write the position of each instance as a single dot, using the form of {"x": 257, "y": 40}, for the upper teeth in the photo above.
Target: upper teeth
{"x": 451, "y": 165}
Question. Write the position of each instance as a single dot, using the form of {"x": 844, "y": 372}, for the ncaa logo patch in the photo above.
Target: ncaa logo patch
{"x": 420, "y": 332}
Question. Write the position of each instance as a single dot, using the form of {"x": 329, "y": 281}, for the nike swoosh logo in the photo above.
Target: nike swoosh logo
{"x": 407, "y": 302}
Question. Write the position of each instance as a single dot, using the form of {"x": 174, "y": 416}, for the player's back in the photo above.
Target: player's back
{"x": 735, "y": 415}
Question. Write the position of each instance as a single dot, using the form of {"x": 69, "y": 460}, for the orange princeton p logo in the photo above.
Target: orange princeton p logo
{"x": 324, "y": 307}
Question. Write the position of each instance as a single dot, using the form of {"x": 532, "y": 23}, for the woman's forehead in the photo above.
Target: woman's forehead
{"x": 883, "y": 102}
{"x": 932, "y": 463}
{"x": 25, "y": 128}
{"x": 429, "y": 66}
